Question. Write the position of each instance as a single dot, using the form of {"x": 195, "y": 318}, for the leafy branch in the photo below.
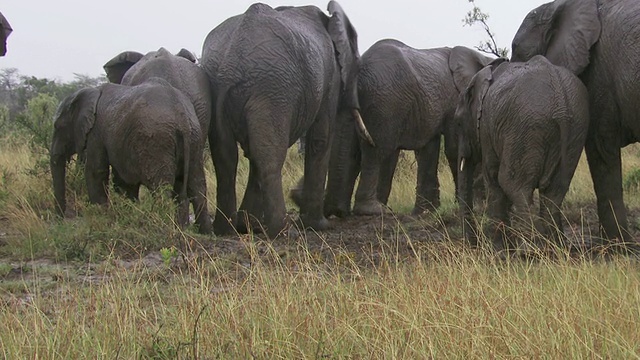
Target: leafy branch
{"x": 488, "y": 46}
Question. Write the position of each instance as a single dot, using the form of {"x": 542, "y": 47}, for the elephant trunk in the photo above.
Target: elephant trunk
{"x": 344, "y": 167}
{"x": 466, "y": 167}
{"x": 58, "y": 172}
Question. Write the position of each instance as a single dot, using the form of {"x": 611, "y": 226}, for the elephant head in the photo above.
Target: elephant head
{"x": 563, "y": 31}
{"x": 5, "y": 30}
{"x": 74, "y": 119}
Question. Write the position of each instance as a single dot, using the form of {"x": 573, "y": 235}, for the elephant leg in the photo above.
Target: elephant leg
{"x": 270, "y": 174}
{"x": 551, "y": 214}
{"x": 523, "y": 217}
{"x": 251, "y": 209}
{"x": 268, "y": 145}
{"x": 179, "y": 195}
{"x": 385, "y": 180}
{"x": 315, "y": 173}
{"x": 97, "y": 175}
{"x": 428, "y": 186}
{"x": 606, "y": 172}
{"x": 131, "y": 191}
{"x": 366, "y": 198}
{"x": 197, "y": 192}
{"x": 344, "y": 167}
{"x": 451, "y": 148}
{"x": 224, "y": 153}
{"x": 498, "y": 207}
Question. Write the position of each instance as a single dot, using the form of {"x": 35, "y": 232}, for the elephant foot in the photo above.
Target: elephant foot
{"x": 317, "y": 224}
{"x": 223, "y": 225}
{"x": 629, "y": 247}
{"x": 204, "y": 224}
{"x": 373, "y": 207}
{"x": 425, "y": 207}
{"x": 471, "y": 238}
{"x": 340, "y": 211}
{"x": 295, "y": 195}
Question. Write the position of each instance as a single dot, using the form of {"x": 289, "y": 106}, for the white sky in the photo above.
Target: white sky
{"x": 56, "y": 38}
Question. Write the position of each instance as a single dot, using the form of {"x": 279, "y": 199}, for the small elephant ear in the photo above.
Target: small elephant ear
{"x": 82, "y": 113}
{"x": 75, "y": 117}
{"x": 464, "y": 63}
{"x": 345, "y": 40}
{"x": 184, "y": 53}
{"x": 5, "y": 31}
{"x": 481, "y": 82}
{"x": 118, "y": 66}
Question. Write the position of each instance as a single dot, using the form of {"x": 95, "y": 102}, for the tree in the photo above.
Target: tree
{"x": 488, "y": 46}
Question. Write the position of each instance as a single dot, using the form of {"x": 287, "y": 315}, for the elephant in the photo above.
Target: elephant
{"x": 407, "y": 98}
{"x": 149, "y": 134}
{"x": 525, "y": 124}
{"x": 276, "y": 74}
{"x": 596, "y": 40}
{"x": 5, "y": 31}
{"x": 133, "y": 68}
{"x": 180, "y": 70}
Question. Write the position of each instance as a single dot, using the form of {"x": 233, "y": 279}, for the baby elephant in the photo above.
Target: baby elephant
{"x": 526, "y": 123}
{"x": 149, "y": 134}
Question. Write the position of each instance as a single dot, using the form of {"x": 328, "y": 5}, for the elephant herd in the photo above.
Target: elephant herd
{"x": 270, "y": 75}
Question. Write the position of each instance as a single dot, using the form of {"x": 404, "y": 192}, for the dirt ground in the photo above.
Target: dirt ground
{"x": 363, "y": 241}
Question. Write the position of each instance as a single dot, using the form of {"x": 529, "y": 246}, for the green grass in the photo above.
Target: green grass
{"x": 123, "y": 281}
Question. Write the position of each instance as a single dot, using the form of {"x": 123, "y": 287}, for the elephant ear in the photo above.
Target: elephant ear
{"x": 563, "y": 31}
{"x": 5, "y": 31}
{"x": 74, "y": 119}
{"x": 345, "y": 40}
{"x": 118, "y": 66}
{"x": 184, "y": 53}
{"x": 577, "y": 28}
{"x": 464, "y": 63}
{"x": 481, "y": 82}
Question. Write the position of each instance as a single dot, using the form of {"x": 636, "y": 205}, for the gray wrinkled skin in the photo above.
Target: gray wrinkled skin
{"x": 598, "y": 41}
{"x": 276, "y": 74}
{"x": 148, "y": 134}
{"x": 525, "y": 124}
{"x": 5, "y": 31}
{"x": 407, "y": 98}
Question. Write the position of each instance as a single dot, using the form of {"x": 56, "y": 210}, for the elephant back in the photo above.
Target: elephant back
{"x": 181, "y": 73}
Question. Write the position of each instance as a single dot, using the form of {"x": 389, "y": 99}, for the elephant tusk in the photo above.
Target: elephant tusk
{"x": 363, "y": 129}
{"x": 462, "y": 164}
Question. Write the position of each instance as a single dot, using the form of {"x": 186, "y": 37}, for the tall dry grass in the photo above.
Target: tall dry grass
{"x": 70, "y": 289}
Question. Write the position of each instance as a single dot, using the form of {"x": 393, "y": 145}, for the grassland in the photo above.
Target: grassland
{"x": 124, "y": 282}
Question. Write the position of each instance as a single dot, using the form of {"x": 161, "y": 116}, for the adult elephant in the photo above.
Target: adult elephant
{"x": 148, "y": 134}
{"x": 597, "y": 40}
{"x": 407, "y": 98}
{"x": 5, "y": 31}
{"x": 526, "y": 125}
{"x": 276, "y": 73}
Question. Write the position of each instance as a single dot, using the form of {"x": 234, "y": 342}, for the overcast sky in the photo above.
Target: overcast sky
{"x": 55, "y": 39}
